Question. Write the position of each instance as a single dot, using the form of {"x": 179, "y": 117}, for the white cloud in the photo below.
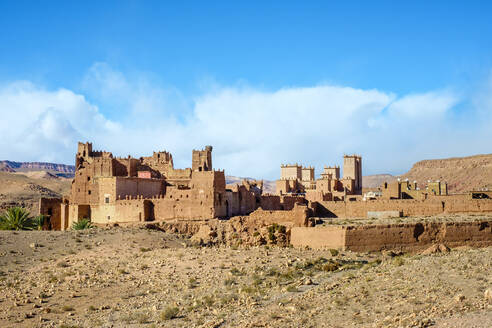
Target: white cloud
{"x": 253, "y": 131}
{"x": 44, "y": 125}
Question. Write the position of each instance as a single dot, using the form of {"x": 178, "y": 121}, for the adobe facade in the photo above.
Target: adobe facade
{"x": 108, "y": 189}
{"x": 410, "y": 190}
{"x": 296, "y": 179}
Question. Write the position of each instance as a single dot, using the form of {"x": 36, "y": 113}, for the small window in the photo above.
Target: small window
{"x": 88, "y": 192}
{"x": 109, "y": 218}
{"x": 106, "y": 200}
{"x": 88, "y": 178}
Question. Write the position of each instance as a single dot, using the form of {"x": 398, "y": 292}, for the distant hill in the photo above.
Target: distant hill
{"x": 268, "y": 186}
{"x": 376, "y": 180}
{"x": 25, "y": 188}
{"x": 461, "y": 173}
{"x": 63, "y": 170}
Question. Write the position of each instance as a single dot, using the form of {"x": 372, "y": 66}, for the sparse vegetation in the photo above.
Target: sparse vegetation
{"x": 39, "y": 221}
{"x": 68, "y": 308}
{"x": 82, "y": 224}
{"x": 17, "y": 218}
{"x": 171, "y": 312}
{"x": 274, "y": 228}
{"x": 215, "y": 284}
{"x": 333, "y": 252}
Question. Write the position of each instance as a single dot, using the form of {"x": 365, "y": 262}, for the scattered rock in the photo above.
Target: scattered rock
{"x": 488, "y": 295}
{"x": 308, "y": 282}
{"x": 459, "y": 298}
{"x": 443, "y": 248}
{"x": 436, "y": 248}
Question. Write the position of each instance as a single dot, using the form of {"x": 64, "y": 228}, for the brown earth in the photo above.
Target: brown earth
{"x": 133, "y": 277}
{"x": 25, "y": 189}
{"x": 376, "y": 180}
{"x": 268, "y": 186}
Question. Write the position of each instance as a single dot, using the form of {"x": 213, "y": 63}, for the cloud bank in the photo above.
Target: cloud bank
{"x": 252, "y": 130}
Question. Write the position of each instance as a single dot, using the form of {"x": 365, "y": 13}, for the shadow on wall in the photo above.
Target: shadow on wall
{"x": 418, "y": 230}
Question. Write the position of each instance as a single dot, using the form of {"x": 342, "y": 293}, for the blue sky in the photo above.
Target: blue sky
{"x": 141, "y": 67}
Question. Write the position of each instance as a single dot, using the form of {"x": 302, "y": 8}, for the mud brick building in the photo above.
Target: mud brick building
{"x": 296, "y": 179}
{"x": 108, "y": 189}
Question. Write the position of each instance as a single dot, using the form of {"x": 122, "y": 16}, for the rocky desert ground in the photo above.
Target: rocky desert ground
{"x": 138, "y": 277}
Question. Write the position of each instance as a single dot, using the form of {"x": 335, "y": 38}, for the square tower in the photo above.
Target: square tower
{"x": 352, "y": 169}
{"x": 331, "y": 171}
{"x": 202, "y": 159}
{"x": 290, "y": 172}
{"x": 307, "y": 173}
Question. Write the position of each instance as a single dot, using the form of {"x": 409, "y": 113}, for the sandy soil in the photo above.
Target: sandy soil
{"x": 133, "y": 277}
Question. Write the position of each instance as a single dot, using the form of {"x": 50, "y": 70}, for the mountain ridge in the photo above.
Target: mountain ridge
{"x": 12, "y": 166}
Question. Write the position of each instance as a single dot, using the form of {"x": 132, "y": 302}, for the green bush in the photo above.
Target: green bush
{"x": 39, "y": 221}
{"x": 17, "y": 218}
{"x": 82, "y": 224}
{"x": 333, "y": 252}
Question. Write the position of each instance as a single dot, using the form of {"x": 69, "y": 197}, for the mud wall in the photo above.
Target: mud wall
{"x": 297, "y": 217}
{"x": 121, "y": 211}
{"x": 408, "y": 207}
{"x": 406, "y": 237}
{"x": 318, "y": 237}
{"x": 51, "y": 207}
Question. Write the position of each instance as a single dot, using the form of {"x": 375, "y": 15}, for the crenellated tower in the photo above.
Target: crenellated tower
{"x": 202, "y": 159}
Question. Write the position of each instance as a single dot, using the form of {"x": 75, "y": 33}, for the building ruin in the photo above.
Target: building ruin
{"x": 108, "y": 190}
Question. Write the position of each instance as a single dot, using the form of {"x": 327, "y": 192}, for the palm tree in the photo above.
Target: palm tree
{"x": 39, "y": 221}
{"x": 16, "y": 218}
{"x": 82, "y": 224}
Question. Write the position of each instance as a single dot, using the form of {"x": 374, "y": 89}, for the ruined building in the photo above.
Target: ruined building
{"x": 409, "y": 190}
{"x": 296, "y": 179}
{"x": 109, "y": 189}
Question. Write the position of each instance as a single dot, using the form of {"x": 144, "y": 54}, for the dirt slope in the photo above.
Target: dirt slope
{"x": 461, "y": 173}
{"x": 21, "y": 190}
{"x": 376, "y": 180}
{"x": 268, "y": 186}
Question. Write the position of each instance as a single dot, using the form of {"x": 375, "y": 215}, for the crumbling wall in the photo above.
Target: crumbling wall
{"x": 51, "y": 208}
{"x": 298, "y": 216}
{"x": 408, "y": 207}
{"x": 318, "y": 237}
{"x": 240, "y": 201}
{"x": 405, "y": 236}
{"x": 418, "y": 236}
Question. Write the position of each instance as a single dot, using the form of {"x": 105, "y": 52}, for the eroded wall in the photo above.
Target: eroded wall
{"x": 408, "y": 207}
{"x": 405, "y": 237}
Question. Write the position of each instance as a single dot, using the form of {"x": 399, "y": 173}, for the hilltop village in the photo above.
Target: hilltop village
{"x": 109, "y": 190}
